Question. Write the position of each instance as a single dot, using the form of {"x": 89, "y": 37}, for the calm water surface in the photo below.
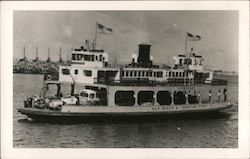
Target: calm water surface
{"x": 207, "y": 132}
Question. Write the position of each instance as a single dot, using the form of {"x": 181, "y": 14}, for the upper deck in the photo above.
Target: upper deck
{"x": 92, "y": 67}
{"x": 89, "y": 58}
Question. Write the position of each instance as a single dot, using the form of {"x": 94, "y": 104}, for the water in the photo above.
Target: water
{"x": 210, "y": 132}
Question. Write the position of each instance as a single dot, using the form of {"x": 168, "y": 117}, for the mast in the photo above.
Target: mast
{"x": 48, "y": 60}
{"x": 24, "y": 54}
{"x": 36, "y": 54}
{"x": 60, "y": 55}
{"x": 186, "y": 46}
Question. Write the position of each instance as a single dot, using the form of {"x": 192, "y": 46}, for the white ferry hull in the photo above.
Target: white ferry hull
{"x": 81, "y": 113}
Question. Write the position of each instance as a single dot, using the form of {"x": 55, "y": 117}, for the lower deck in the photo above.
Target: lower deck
{"x": 84, "y": 111}
{"x": 135, "y": 97}
{"x": 161, "y": 95}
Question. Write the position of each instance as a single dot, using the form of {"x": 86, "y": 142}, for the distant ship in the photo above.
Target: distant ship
{"x": 37, "y": 66}
{"x": 139, "y": 89}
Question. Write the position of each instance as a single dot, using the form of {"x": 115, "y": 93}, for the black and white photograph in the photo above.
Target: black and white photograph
{"x": 138, "y": 78}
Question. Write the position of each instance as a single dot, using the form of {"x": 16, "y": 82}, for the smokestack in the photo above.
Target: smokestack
{"x": 144, "y": 55}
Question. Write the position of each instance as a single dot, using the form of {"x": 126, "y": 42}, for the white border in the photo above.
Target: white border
{"x": 7, "y": 150}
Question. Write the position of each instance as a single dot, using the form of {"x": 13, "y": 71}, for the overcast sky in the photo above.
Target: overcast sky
{"x": 164, "y": 30}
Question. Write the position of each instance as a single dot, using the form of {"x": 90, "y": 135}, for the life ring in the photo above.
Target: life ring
{"x": 49, "y": 77}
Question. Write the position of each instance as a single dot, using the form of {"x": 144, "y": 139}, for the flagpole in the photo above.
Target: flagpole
{"x": 185, "y": 61}
{"x": 186, "y": 45}
{"x": 95, "y": 34}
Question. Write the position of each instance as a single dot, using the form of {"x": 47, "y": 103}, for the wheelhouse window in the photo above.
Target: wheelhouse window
{"x": 100, "y": 57}
{"x": 164, "y": 98}
{"x": 65, "y": 71}
{"x": 146, "y": 98}
{"x": 74, "y": 57}
{"x": 77, "y": 56}
{"x": 87, "y": 73}
{"x": 87, "y": 57}
{"x": 124, "y": 98}
{"x": 179, "y": 97}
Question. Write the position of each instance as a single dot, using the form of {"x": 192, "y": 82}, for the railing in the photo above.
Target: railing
{"x": 148, "y": 82}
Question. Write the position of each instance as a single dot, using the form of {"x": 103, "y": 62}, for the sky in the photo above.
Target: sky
{"x": 164, "y": 30}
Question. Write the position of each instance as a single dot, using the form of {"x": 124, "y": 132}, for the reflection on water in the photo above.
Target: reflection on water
{"x": 206, "y": 132}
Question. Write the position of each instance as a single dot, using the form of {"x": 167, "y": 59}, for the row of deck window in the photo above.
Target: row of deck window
{"x": 158, "y": 74}
{"x": 85, "y": 57}
{"x": 128, "y": 98}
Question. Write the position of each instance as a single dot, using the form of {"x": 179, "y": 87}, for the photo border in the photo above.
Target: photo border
{"x": 7, "y": 150}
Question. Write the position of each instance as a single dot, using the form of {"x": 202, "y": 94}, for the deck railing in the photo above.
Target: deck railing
{"x": 148, "y": 82}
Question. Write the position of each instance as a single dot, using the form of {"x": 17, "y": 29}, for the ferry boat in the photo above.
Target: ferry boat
{"x": 90, "y": 87}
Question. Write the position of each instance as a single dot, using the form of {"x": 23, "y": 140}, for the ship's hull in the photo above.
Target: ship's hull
{"x": 95, "y": 113}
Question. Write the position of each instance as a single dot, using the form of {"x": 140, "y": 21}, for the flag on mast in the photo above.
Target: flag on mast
{"x": 192, "y": 37}
{"x": 103, "y": 29}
